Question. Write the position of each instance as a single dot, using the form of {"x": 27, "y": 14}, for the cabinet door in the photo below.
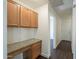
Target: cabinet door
{"x": 36, "y": 50}
{"x": 12, "y": 14}
{"x": 34, "y": 19}
{"x": 27, "y": 54}
{"x": 25, "y": 17}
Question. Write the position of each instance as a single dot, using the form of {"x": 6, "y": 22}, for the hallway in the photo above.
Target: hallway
{"x": 63, "y": 51}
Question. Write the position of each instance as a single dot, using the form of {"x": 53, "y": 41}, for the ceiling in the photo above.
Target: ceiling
{"x": 34, "y": 3}
{"x": 62, "y": 6}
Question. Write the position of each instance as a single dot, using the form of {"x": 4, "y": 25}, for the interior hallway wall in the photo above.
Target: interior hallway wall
{"x": 66, "y": 28}
{"x": 43, "y": 32}
{"x": 58, "y": 30}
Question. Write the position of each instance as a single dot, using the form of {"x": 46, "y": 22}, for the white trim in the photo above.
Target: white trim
{"x": 74, "y": 55}
{"x": 45, "y": 55}
{"x": 58, "y": 43}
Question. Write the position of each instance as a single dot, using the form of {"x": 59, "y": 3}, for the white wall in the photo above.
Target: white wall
{"x": 58, "y": 30}
{"x": 4, "y": 45}
{"x": 74, "y": 33}
{"x": 43, "y": 32}
{"x": 19, "y": 34}
{"x": 66, "y": 27}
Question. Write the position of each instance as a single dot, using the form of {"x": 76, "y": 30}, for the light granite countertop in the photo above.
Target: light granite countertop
{"x": 18, "y": 45}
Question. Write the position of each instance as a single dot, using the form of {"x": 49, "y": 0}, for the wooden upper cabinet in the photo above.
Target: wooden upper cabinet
{"x": 34, "y": 19}
{"x": 25, "y": 17}
{"x": 20, "y": 16}
{"x": 12, "y": 14}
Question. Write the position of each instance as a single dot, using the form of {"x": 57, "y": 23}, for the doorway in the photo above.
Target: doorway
{"x": 52, "y": 32}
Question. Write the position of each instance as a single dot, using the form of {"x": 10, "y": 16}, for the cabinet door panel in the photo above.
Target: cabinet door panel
{"x": 36, "y": 53}
{"x": 27, "y": 54}
{"x": 36, "y": 50}
{"x": 34, "y": 19}
{"x": 25, "y": 17}
{"x": 12, "y": 14}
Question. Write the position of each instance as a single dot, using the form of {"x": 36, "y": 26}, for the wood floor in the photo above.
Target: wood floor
{"x": 63, "y": 51}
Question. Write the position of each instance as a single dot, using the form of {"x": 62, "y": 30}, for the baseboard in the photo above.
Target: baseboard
{"x": 58, "y": 44}
{"x": 45, "y": 55}
{"x": 74, "y": 54}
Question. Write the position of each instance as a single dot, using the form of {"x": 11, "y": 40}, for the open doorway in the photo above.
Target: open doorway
{"x": 62, "y": 11}
{"x": 52, "y": 32}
